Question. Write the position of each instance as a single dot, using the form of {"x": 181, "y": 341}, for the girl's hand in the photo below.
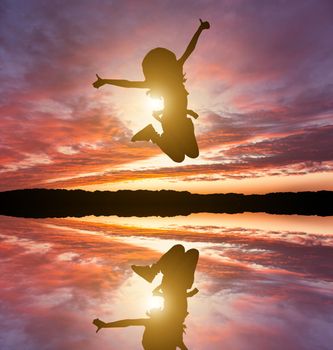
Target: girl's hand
{"x": 195, "y": 115}
{"x": 204, "y": 25}
{"x": 99, "y": 324}
{"x": 99, "y": 82}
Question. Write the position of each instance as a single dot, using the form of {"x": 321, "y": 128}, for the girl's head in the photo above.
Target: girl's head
{"x": 161, "y": 69}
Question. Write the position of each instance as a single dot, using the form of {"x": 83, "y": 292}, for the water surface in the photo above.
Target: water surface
{"x": 265, "y": 280}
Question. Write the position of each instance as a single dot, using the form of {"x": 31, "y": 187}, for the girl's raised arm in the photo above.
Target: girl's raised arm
{"x": 119, "y": 82}
{"x": 191, "y": 46}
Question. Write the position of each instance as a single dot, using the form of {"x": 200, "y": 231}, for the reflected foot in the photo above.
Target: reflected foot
{"x": 146, "y": 272}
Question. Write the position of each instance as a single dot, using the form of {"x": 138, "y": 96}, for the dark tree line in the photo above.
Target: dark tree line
{"x": 39, "y": 203}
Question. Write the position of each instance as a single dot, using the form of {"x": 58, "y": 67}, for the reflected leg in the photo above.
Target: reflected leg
{"x": 167, "y": 264}
{"x": 180, "y": 273}
{"x": 187, "y": 269}
{"x": 170, "y": 260}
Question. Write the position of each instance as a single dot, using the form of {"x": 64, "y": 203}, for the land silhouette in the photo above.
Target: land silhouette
{"x": 42, "y": 203}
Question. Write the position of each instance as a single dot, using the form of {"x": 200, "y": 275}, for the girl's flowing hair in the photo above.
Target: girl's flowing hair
{"x": 162, "y": 70}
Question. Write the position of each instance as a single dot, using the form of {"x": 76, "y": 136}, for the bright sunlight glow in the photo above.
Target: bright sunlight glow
{"x": 155, "y": 302}
{"x": 156, "y": 103}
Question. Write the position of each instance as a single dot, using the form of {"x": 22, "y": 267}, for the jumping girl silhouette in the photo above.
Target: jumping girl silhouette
{"x": 164, "y": 78}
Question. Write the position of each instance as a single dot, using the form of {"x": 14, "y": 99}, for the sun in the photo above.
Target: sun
{"x": 155, "y": 302}
{"x": 155, "y": 104}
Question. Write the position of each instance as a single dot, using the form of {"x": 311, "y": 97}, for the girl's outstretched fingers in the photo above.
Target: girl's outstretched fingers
{"x": 99, "y": 82}
{"x": 204, "y": 25}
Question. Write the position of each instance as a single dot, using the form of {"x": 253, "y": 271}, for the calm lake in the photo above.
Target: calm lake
{"x": 265, "y": 281}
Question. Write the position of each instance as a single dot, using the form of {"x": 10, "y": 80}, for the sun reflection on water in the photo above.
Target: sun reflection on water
{"x": 155, "y": 303}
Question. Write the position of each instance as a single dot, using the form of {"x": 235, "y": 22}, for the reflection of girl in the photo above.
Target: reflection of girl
{"x": 178, "y": 268}
{"x": 161, "y": 332}
{"x": 165, "y": 78}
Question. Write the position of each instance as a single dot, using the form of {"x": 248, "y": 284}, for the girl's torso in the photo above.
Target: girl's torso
{"x": 175, "y": 102}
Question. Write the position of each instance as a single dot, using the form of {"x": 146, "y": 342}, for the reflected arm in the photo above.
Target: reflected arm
{"x": 126, "y": 323}
{"x": 182, "y": 346}
{"x": 192, "y": 292}
{"x": 121, "y": 323}
{"x": 191, "y": 46}
{"x": 126, "y": 83}
{"x": 192, "y": 113}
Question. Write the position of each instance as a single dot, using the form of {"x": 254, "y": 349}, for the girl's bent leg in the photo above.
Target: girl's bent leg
{"x": 191, "y": 148}
{"x": 165, "y": 142}
{"x": 170, "y": 147}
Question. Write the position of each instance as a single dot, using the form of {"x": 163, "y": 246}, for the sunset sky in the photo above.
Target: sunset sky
{"x": 261, "y": 80}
